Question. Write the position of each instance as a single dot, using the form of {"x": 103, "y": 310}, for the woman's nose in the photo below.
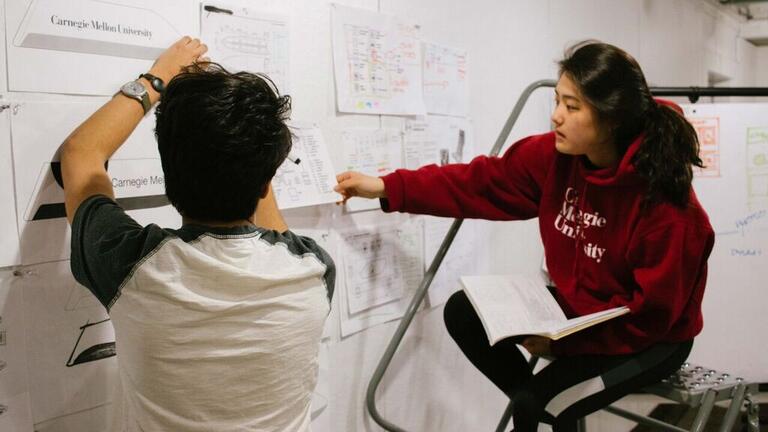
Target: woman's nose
{"x": 556, "y": 118}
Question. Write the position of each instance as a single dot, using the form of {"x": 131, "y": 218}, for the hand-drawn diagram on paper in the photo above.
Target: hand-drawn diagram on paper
{"x": 377, "y": 63}
{"x": 373, "y": 273}
{"x": 445, "y": 80}
{"x": 307, "y": 177}
{"x": 243, "y": 39}
{"x": 757, "y": 167}
{"x": 381, "y": 264}
{"x": 89, "y": 46}
{"x": 372, "y": 152}
{"x": 135, "y": 171}
{"x": 437, "y": 140}
{"x": 70, "y": 351}
{"x": 708, "y": 131}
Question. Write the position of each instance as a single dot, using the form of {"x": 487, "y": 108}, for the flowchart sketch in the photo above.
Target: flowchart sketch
{"x": 135, "y": 171}
{"x": 437, "y": 140}
{"x": 307, "y": 177}
{"x": 708, "y": 131}
{"x": 446, "y": 90}
{"x": 89, "y": 46}
{"x": 377, "y": 63}
{"x": 373, "y": 152}
{"x": 382, "y": 266}
{"x": 373, "y": 273}
{"x": 9, "y": 237}
{"x": 14, "y": 387}
{"x": 70, "y": 352}
{"x": 244, "y": 39}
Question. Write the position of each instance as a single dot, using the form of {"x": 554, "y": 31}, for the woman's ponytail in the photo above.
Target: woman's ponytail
{"x": 667, "y": 156}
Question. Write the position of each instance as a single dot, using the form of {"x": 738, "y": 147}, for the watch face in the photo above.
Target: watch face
{"x": 133, "y": 88}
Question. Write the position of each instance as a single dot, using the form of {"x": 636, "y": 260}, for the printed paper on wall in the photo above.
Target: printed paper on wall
{"x": 89, "y": 46}
{"x": 377, "y": 63}
{"x": 134, "y": 170}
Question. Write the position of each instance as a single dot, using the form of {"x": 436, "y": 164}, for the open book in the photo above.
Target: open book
{"x": 517, "y": 305}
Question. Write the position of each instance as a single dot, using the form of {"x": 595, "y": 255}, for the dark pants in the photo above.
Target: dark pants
{"x": 505, "y": 365}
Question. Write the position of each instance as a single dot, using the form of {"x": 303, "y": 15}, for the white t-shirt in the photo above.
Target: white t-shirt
{"x": 216, "y": 329}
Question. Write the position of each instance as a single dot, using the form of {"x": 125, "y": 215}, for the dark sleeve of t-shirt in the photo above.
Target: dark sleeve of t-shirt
{"x": 107, "y": 244}
{"x": 301, "y": 245}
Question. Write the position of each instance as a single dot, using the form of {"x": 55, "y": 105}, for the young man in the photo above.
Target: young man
{"x": 218, "y": 323}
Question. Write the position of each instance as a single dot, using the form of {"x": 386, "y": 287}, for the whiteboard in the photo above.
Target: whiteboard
{"x": 734, "y": 191}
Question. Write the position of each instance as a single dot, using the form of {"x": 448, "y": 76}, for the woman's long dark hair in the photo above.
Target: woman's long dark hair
{"x": 613, "y": 83}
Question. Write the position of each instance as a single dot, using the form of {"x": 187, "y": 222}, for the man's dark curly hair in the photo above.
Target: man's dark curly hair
{"x": 221, "y": 137}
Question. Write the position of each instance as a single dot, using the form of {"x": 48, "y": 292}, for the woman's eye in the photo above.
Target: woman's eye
{"x": 571, "y": 108}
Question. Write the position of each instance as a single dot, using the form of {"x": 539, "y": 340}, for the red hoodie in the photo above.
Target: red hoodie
{"x": 602, "y": 248}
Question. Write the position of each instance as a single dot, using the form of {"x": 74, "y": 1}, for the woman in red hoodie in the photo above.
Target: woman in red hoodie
{"x": 620, "y": 223}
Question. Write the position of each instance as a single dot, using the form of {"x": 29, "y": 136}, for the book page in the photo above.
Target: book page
{"x": 580, "y": 323}
{"x": 512, "y": 304}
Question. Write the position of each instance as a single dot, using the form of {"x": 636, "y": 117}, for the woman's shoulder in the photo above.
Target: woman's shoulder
{"x": 537, "y": 146}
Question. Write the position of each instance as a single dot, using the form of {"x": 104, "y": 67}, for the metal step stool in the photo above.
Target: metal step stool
{"x": 698, "y": 386}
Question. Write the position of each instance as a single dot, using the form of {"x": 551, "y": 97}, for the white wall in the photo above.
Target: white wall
{"x": 761, "y": 66}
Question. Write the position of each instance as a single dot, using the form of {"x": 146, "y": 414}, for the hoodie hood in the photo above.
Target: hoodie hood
{"x": 623, "y": 174}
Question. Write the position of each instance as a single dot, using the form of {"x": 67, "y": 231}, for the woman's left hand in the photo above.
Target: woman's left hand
{"x": 537, "y": 345}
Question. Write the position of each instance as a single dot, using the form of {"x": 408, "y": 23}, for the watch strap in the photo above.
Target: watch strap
{"x": 154, "y": 81}
{"x": 145, "y": 102}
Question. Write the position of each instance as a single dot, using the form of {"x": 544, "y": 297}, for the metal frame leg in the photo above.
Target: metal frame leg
{"x": 643, "y": 420}
{"x": 734, "y": 408}
{"x": 753, "y": 414}
{"x": 704, "y": 410}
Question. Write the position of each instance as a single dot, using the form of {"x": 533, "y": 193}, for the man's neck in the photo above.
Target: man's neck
{"x": 219, "y": 224}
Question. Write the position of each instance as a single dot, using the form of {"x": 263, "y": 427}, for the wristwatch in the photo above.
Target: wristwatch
{"x": 136, "y": 90}
{"x": 156, "y": 82}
